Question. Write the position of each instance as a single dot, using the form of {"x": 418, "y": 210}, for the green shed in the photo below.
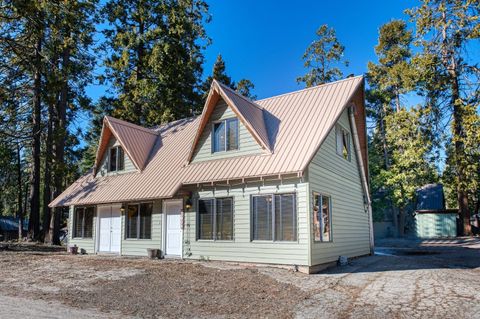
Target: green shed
{"x": 436, "y": 223}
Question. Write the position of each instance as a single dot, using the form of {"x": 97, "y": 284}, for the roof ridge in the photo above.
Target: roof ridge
{"x": 239, "y": 95}
{"x": 131, "y": 125}
{"x": 311, "y": 88}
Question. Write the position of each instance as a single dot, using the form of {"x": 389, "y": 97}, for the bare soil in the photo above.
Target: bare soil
{"x": 406, "y": 279}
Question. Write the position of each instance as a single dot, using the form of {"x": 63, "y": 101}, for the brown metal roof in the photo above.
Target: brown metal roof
{"x": 137, "y": 141}
{"x": 296, "y": 125}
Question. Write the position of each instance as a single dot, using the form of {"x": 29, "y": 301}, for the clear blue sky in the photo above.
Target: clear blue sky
{"x": 264, "y": 41}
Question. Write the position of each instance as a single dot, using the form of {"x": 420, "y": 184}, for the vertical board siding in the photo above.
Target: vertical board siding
{"x": 247, "y": 144}
{"x": 242, "y": 249}
{"x": 129, "y": 167}
{"x": 436, "y": 225}
{"x": 330, "y": 174}
{"x": 88, "y": 244}
{"x": 138, "y": 247}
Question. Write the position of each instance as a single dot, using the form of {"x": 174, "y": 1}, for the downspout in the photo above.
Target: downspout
{"x": 363, "y": 176}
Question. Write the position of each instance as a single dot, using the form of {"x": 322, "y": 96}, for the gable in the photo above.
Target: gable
{"x": 247, "y": 112}
{"x": 136, "y": 141}
{"x": 246, "y": 143}
{"x": 103, "y": 166}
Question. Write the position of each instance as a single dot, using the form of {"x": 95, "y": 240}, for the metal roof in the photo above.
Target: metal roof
{"x": 430, "y": 197}
{"x": 137, "y": 141}
{"x": 296, "y": 125}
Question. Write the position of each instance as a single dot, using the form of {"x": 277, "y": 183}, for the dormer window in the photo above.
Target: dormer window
{"x": 225, "y": 135}
{"x": 116, "y": 159}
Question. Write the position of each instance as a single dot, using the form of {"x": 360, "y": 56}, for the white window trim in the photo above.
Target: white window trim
{"x": 273, "y": 240}
{"x": 138, "y": 221}
{"x": 330, "y": 217}
{"x": 225, "y": 135}
{"x": 116, "y": 147}
{"x": 197, "y": 232}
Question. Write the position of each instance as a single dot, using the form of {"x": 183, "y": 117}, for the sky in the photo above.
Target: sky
{"x": 264, "y": 41}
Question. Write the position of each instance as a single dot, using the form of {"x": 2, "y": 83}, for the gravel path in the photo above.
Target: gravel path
{"x": 407, "y": 279}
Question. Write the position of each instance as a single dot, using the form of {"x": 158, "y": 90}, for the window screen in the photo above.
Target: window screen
{"x": 342, "y": 138}
{"x": 83, "y": 222}
{"x": 224, "y": 219}
{"x": 225, "y": 135}
{"x": 139, "y": 221}
{"x": 322, "y": 218}
{"x": 205, "y": 219}
{"x": 219, "y": 137}
{"x": 274, "y": 217}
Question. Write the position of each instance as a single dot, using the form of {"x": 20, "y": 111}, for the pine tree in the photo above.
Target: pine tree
{"x": 323, "y": 58}
{"x": 156, "y": 57}
{"x": 445, "y": 28}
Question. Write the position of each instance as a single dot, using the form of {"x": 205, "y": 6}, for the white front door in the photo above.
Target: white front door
{"x": 173, "y": 228}
{"x": 109, "y": 228}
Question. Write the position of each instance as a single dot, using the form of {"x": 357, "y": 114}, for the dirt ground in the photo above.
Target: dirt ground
{"x": 405, "y": 279}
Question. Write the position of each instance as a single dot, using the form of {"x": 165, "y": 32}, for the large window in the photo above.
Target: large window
{"x": 342, "y": 137}
{"x": 83, "y": 222}
{"x": 225, "y": 135}
{"x": 215, "y": 219}
{"x": 274, "y": 217}
{"x": 322, "y": 217}
{"x": 139, "y": 221}
{"x": 116, "y": 159}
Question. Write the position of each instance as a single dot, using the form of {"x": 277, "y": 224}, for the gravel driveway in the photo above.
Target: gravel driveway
{"x": 406, "y": 279}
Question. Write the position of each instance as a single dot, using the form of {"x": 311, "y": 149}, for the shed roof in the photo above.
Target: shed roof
{"x": 296, "y": 124}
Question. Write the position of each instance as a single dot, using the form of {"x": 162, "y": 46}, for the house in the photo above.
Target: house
{"x": 432, "y": 219}
{"x": 281, "y": 181}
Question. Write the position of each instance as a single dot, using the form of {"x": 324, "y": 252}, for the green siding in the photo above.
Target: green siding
{"x": 242, "y": 249}
{"x": 138, "y": 247}
{"x": 332, "y": 175}
{"x": 436, "y": 225}
{"x": 247, "y": 144}
{"x": 87, "y": 244}
{"x": 129, "y": 166}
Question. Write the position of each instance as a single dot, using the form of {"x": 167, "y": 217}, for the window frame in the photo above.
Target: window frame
{"x": 214, "y": 225}
{"x": 274, "y": 240}
{"x": 74, "y": 222}
{"x": 349, "y": 142}
{"x": 117, "y": 159}
{"x": 225, "y": 134}
{"x": 322, "y": 194}
{"x": 138, "y": 221}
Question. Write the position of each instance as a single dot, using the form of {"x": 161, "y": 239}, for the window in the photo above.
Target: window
{"x": 83, "y": 222}
{"x": 215, "y": 219}
{"x": 322, "y": 218}
{"x": 343, "y": 142}
{"x": 116, "y": 159}
{"x": 274, "y": 217}
{"x": 139, "y": 221}
{"x": 225, "y": 135}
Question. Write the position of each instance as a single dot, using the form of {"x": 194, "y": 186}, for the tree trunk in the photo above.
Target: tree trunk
{"x": 401, "y": 222}
{"x": 19, "y": 194}
{"x": 458, "y": 134}
{"x": 47, "y": 193}
{"x": 60, "y": 137}
{"x": 34, "y": 199}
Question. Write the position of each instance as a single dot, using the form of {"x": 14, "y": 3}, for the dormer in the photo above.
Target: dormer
{"x": 123, "y": 147}
{"x": 230, "y": 125}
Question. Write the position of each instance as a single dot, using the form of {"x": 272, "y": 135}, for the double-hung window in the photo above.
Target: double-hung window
{"x": 139, "y": 221}
{"x": 116, "y": 159}
{"x": 215, "y": 219}
{"x": 274, "y": 217}
{"x": 225, "y": 135}
{"x": 322, "y": 217}
{"x": 342, "y": 137}
{"x": 83, "y": 222}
